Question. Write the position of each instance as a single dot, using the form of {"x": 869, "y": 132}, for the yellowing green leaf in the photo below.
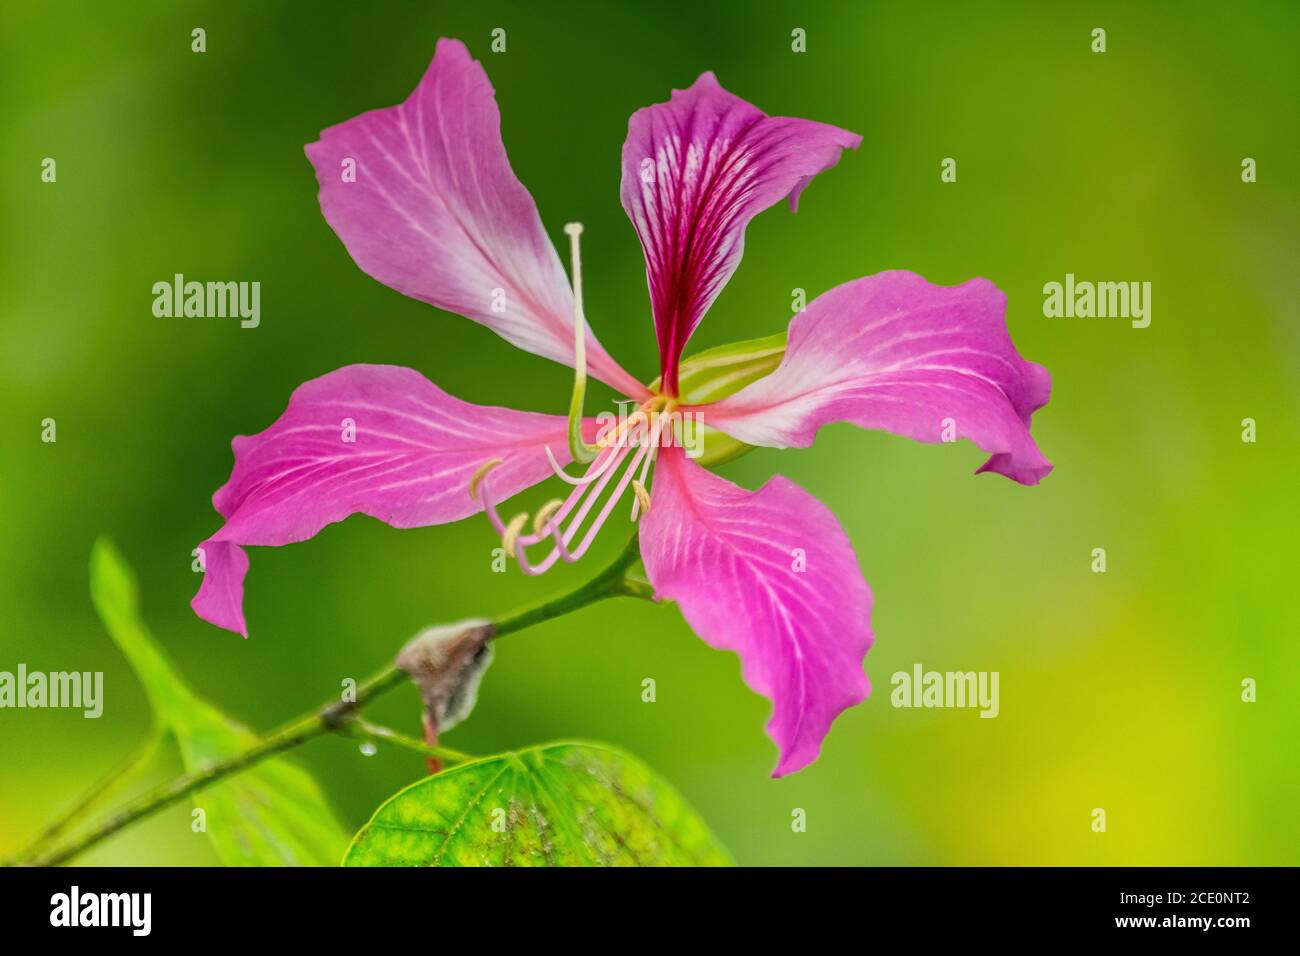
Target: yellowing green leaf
{"x": 558, "y": 804}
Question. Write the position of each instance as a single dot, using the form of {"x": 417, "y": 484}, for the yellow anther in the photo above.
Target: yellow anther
{"x": 512, "y": 532}
{"x": 479, "y": 475}
{"x": 546, "y": 513}
{"x": 642, "y": 495}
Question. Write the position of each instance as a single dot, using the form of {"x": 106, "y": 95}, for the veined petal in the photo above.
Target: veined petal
{"x": 770, "y": 575}
{"x": 696, "y": 170}
{"x": 379, "y": 440}
{"x": 424, "y": 198}
{"x": 892, "y": 351}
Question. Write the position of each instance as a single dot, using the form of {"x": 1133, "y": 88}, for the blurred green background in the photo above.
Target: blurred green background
{"x": 1119, "y": 690}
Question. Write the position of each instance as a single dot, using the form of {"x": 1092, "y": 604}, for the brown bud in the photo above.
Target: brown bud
{"x": 446, "y": 663}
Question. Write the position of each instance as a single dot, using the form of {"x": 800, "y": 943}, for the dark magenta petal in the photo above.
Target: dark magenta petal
{"x": 771, "y": 575}
{"x": 696, "y": 170}
{"x": 378, "y": 440}
{"x": 435, "y": 211}
{"x": 892, "y": 351}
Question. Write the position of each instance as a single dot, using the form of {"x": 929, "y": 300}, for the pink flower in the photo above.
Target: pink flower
{"x": 434, "y": 211}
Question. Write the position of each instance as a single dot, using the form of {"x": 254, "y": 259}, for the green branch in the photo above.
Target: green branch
{"x": 335, "y": 717}
{"x": 118, "y": 777}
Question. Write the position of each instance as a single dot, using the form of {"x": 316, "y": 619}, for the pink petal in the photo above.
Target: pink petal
{"x": 696, "y": 170}
{"x": 221, "y": 595}
{"x": 892, "y": 351}
{"x": 728, "y": 557}
{"x": 415, "y": 450}
{"x": 436, "y": 212}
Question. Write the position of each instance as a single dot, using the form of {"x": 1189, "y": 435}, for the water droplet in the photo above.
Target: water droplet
{"x": 368, "y": 749}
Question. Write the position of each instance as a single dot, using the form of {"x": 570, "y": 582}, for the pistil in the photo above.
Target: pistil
{"x": 581, "y": 452}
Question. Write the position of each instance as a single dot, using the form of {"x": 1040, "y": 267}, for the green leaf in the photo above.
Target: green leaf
{"x": 271, "y": 814}
{"x": 714, "y": 374}
{"x": 560, "y": 804}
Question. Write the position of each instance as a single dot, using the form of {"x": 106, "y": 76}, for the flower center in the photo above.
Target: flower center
{"x": 622, "y": 463}
{"x": 625, "y": 447}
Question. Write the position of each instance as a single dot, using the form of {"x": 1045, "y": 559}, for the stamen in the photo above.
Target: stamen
{"x": 490, "y": 509}
{"x": 545, "y": 514}
{"x": 479, "y": 475}
{"x": 616, "y": 440}
{"x": 642, "y": 496}
{"x": 588, "y": 478}
{"x": 601, "y": 478}
{"x": 655, "y": 431}
{"x": 609, "y": 506}
{"x": 589, "y": 499}
{"x": 512, "y": 531}
{"x": 631, "y": 450}
{"x": 561, "y": 551}
{"x": 510, "y": 535}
